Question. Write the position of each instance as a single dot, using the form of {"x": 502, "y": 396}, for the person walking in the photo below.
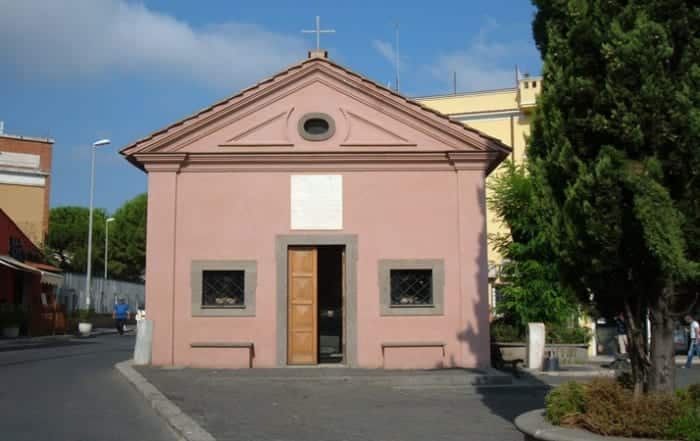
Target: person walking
{"x": 622, "y": 341}
{"x": 693, "y": 340}
{"x": 121, "y": 314}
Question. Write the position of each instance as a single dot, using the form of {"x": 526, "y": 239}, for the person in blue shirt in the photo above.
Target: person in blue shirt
{"x": 121, "y": 314}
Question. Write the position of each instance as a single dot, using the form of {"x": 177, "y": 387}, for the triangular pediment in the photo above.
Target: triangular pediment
{"x": 270, "y": 132}
{"x": 363, "y": 132}
{"x": 268, "y": 116}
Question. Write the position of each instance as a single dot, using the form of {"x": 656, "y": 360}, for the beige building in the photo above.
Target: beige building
{"x": 504, "y": 114}
{"x": 25, "y": 182}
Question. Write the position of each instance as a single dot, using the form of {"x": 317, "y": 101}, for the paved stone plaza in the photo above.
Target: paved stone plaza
{"x": 298, "y": 404}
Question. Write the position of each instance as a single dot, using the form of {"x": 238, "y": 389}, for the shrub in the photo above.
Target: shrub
{"x": 503, "y": 332}
{"x": 612, "y": 410}
{"x": 564, "y": 402}
{"x": 567, "y": 335}
{"x": 606, "y": 407}
{"x": 12, "y": 315}
{"x": 84, "y": 315}
{"x": 693, "y": 392}
{"x": 626, "y": 380}
{"x": 687, "y": 426}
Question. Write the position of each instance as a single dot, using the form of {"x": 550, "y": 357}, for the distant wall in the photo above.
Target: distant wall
{"x": 38, "y": 222}
{"x": 102, "y": 295}
{"x": 25, "y": 205}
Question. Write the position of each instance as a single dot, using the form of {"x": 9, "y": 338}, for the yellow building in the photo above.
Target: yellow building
{"x": 504, "y": 114}
{"x": 25, "y": 182}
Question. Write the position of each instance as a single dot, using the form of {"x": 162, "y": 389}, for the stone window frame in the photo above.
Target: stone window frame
{"x": 437, "y": 266}
{"x": 316, "y": 137}
{"x": 250, "y": 280}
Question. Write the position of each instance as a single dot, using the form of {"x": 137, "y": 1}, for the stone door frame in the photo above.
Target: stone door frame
{"x": 282, "y": 244}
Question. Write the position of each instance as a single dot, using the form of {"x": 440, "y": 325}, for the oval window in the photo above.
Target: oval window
{"x": 316, "y": 126}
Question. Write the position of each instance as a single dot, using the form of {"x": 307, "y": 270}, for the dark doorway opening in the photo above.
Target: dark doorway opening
{"x": 331, "y": 314}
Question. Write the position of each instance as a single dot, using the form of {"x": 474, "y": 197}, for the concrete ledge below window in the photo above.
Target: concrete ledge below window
{"x": 438, "y": 274}
{"x": 221, "y": 344}
{"x": 250, "y": 269}
{"x": 223, "y": 354}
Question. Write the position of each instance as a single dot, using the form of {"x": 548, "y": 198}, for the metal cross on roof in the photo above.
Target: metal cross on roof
{"x": 318, "y": 31}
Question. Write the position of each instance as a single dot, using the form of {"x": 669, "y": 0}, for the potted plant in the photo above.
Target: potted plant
{"x": 11, "y": 319}
{"x": 84, "y": 323}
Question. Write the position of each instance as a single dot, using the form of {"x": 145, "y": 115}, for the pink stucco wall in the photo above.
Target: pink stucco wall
{"x": 396, "y": 215}
{"x": 413, "y": 183}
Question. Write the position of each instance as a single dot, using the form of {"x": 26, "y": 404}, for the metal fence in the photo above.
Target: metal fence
{"x": 103, "y": 295}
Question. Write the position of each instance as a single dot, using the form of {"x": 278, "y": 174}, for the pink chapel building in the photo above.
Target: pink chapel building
{"x": 317, "y": 217}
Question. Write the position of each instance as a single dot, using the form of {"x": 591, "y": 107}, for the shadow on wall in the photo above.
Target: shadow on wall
{"x": 507, "y": 402}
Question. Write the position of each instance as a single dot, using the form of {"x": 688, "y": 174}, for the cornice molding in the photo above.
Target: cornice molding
{"x": 161, "y": 162}
{"x": 316, "y": 161}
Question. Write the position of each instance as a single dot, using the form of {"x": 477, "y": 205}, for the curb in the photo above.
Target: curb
{"x": 564, "y": 373}
{"x": 184, "y": 427}
{"x": 533, "y": 425}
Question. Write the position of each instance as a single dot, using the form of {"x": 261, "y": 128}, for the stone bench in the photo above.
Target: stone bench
{"x": 227, "y": 345}
{"x": 417, "y": 345}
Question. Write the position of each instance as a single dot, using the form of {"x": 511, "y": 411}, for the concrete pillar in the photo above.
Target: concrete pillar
{"x": 535, "y": 345}
{"x": 144, "y": 339}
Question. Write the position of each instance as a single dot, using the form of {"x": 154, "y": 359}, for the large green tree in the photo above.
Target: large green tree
{"x": 66, "y": 245}
{"x": 616, "y": 148}
{"x": 127, "y": 236}
{"x": 531, "y": 286}
{"x": 67, "y": 240}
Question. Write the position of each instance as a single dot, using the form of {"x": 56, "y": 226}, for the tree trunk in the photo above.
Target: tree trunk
{"x": 639, "y": 360}
{"x": 662, "y": 374}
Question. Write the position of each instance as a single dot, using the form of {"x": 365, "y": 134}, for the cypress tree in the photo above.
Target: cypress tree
{"x": 615, "y": 150}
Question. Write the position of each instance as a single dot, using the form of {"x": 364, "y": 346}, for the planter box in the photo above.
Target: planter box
{"x": 10, "y": 332}
{"x": 568, "y": 353}
{"x": 535, "y": 428}
{"x": 512, "y": 351}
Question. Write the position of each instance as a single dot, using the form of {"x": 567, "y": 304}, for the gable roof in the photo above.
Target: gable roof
{"x": 474, "y": 137}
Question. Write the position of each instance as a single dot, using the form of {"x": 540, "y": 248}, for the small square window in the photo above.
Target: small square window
{"x": 223, "y": 289}
{"x": 411, "y": 287}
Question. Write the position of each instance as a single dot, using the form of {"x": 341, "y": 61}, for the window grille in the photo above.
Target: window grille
{"x": 222, "y": 289}
{"x": 411, "y": 287}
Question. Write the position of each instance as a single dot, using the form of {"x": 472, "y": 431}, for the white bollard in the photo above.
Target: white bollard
{"x": 144, "y": 339}
{"x": 535, "y": 345}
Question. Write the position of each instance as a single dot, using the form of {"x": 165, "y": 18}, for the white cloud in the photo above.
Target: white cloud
{"x": 386, "y": 50}
{"x": 70, "y": 38}
{"x": 484, "y": 64}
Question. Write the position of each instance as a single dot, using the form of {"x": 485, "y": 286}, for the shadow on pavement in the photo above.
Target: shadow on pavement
{"x": 92, "y": 345}
{"x": 527, "y": 393}
{"x": 44, "y": 345}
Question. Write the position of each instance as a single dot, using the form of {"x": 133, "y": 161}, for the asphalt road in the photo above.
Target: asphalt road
{"x": 71, "y": 391}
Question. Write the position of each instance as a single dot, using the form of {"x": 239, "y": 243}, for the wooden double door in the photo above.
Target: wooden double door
{"x": 303, "y": 304}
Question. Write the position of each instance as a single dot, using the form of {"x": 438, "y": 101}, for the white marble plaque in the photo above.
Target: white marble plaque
{"x": 317, "y": 202}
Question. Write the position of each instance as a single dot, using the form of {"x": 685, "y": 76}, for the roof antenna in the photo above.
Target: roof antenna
{"x": 397, "y": 56}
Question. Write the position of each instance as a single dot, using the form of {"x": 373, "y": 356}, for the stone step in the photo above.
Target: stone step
{"x": 394, "y": 378}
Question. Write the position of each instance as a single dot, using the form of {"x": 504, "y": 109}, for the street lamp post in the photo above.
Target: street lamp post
{"x": 104, "y": 280}
{"x": 95, "y": 145}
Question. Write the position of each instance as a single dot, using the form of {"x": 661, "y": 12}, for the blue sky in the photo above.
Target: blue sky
{"x": 79, "y": 70}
